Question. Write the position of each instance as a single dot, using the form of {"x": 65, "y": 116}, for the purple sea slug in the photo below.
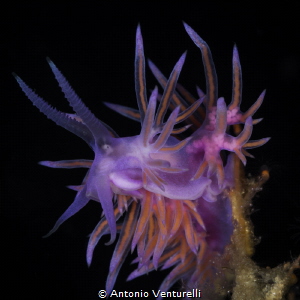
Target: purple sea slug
{"x": 169, "y": 183}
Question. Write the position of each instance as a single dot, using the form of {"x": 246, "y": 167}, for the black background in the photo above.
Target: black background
{"x": 93, "y": 45}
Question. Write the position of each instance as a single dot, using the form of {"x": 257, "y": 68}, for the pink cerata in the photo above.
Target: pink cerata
{"x": 169, "y": 182}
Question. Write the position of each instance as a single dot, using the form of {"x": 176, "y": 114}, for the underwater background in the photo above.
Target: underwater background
{"x": 93, "y": 44}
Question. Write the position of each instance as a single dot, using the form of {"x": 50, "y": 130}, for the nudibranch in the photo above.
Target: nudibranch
{"x": 170, "y": 190}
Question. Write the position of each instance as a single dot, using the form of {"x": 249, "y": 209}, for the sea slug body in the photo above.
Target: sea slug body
{"x": 171, "y": 190}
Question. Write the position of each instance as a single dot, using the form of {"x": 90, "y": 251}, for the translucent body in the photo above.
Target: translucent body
{"x": 173, "y": 190}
